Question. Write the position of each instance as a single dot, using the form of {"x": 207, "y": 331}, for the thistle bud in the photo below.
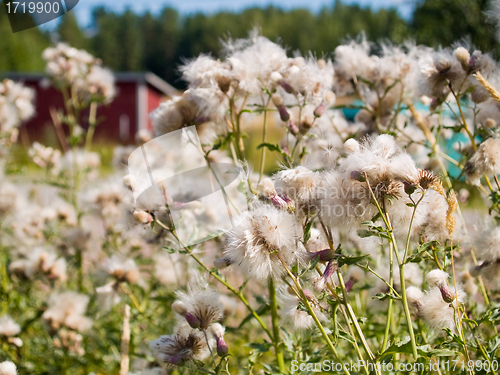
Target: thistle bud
{"x": 330, "y": 269}
{"x": 222, "y": 263}
{"x": 192, "y": 320}
{"x": 177, "y": 360}
{"x": 319, "y": 110}
{"x": 287, "y": 87}
{"x": 409, "y": 187}
{"x": 276, "y": 76}
{"x": 224, "y": 83}
{"x": 358, "y": 176}
{"x": 129, "y": 181}
{"x": 218, "y": 334}
{"x": 277, "y": 100}
{"x": 142, "y": 217}
{"x": 490, "y": 123}
{"x": 351, "y": 146}
{"x": 284, "y": 115}
{"x": 15, "y": 341}
{"x": 325, "y": 255}
{"x": 463, "y": 57}
{"x": 330, "y": 97}
{"x": 292, "y": 127}
{"x": 179, "y": 308}
{"x": 447, "y": 294}
{"x": 266, "y": 188}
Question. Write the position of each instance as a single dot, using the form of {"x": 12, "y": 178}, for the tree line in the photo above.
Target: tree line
{"x": 160, "y": 42}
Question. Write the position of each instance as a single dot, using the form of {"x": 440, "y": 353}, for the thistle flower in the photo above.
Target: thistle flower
{"x": 8, "y": 327}
{"x": 488, "y": 250}
{"x": 70, "y": 340}
{"x": 8, "y": 199}
{"x": 8, "y": 368}
{"x": 40, "y": 260}
{"x": 299, "y": 184}
{"x": 179, "y": 348}
{"x": 260, "y": 240}
{"x": 486, "y": 160}
{"x": 46, "y": 157}
{"x": 67, "y": 309}
{"x": 69, "y": 67}
{"x": 123, "y": 270}
{"x": 438, "y": 313}
{"x": 268, "y": 191}
{"x": 16, "y": 105}
{"x": 142, "y": 217}
{"x": 200, "y": 306}
{"x": 218, "y": 333}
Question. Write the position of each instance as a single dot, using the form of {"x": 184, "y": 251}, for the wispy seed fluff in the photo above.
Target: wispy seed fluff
{"x": 8, "y": 327}
{"x": 179, "y": 348}
{"x": 486, "y": 160}
{"x": 200, "y": 306}
{"x": 488, "y": 252}
{"x": 260, "y": 240}
{"x": 436, "y": 305}
{"x": 8, "y": 368}
{"x": 299, "y": 184}
{"x": 67, "y": 309}
{"x": 295, "y": 314}
{"x": 391, "y": 173}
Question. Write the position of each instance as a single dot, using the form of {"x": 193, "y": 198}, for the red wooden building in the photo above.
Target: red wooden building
{"x": 137, "y": 95}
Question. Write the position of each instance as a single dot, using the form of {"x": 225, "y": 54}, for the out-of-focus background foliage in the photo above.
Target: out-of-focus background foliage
{"x": 158, "y": 42}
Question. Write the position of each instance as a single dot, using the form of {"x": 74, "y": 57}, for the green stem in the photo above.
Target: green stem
{"x": 390, "y": 231}
{"x": 312, "y": 313}
{"x": 276, "y": 330}
{"x": 389, "y": 309}
{"x": 354, "y": 320}
{"x": 263, "y": 152}
{"x": 92, "y": 126}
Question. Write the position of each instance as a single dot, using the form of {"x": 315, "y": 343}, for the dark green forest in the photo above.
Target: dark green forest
{"x": 160, "y": 42}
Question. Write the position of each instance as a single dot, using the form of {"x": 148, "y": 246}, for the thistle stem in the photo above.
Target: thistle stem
{"x": 276, "y": 331}
{"x": 389, "y": 308}
{"x": 390, "y": 231}
{"x": 312, "y": 313}
{"x": 263, "y": 152}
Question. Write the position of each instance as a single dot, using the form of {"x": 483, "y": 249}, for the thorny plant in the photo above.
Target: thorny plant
{"x": 375, "y": 240}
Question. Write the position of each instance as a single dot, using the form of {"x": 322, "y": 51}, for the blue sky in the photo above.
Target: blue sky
{"x": 84, "y": 8}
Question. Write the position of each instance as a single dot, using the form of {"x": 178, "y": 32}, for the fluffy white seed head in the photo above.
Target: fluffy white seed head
{"x": 8, "y": 368}
{"x": 414, "y": 295}
{"x": 8, "y": 327}
{"x": 437, "y": 278}
{"x": 351, "y": 145}
{"x": 266, "y": 188}
{"x": 217, "y": 330}
{"x": 257, "y": 238}
{"x": 463, "y": 56}
{"x": 179, "y": 308}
